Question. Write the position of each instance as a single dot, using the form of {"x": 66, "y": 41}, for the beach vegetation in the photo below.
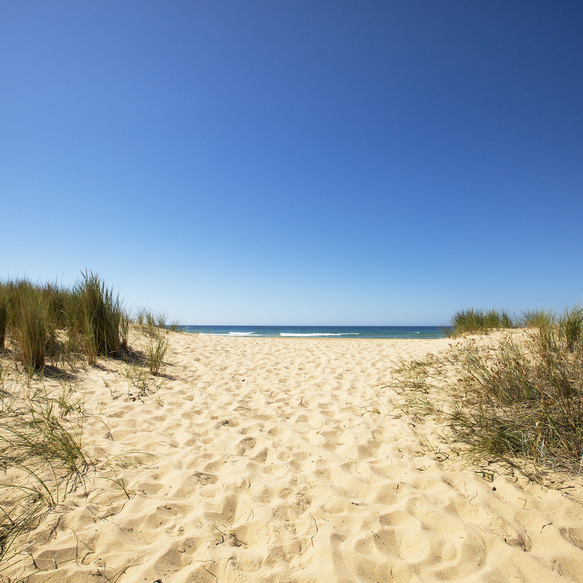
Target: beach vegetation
{"x": 97, "y": 317}
{"x": 50, "y": 321}
{"x": 571, "y": 327}
{"x": 516, "y": 398}
{"x": 472, "y": 321}
{"x": 174, "y": 326}
{"x": 45, "y": 331}
{"x": 155, "y": 333}
{"x": 30, "y": 328}
{"x": 542, "y": 319}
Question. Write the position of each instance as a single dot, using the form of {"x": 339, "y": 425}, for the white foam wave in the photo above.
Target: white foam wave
{"x": 318, "y": 334}
{"x": 231, "y": 334}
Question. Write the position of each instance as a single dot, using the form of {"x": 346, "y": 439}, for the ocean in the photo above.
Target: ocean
{"x": 320, "y": 331}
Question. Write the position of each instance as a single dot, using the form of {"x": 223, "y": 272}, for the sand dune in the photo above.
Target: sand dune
{"x": 282, "y": 460}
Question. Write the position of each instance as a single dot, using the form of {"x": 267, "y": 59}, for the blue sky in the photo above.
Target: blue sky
{"x": 296, "y": 162}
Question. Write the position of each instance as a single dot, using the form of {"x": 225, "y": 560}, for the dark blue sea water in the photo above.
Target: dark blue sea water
{"x": 320, "y": 331}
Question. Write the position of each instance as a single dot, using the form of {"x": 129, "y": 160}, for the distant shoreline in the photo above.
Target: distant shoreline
{"x": 374, "y": 332}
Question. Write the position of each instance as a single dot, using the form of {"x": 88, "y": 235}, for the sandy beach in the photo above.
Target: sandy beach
{"x": 285, "y": 460}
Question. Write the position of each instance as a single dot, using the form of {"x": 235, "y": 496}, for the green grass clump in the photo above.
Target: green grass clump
{"x": 24, "y": 318}
{"x": 542, "y": 319}
{"x": 517, "y": 399}
{"x": 31, "y": 331}
{"x": 523, "y": 399}
{"x": 156, "y": 351}
{"x": 473, "y": 321}
{"x": 571, "y": 327}
{"x": 97, "y": 317}
{"x": 50, "y": 321}
{"x": 59, "y": 324}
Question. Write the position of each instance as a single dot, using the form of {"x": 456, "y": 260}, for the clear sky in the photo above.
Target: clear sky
{"x": 296, "y": 162}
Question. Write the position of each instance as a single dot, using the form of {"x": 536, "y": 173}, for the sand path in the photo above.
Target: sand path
{"x": 282, "y": 460}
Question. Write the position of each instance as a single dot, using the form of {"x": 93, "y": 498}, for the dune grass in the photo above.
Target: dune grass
{"x": 30, "y": 328}
{"x": 472, "y": 321}
{"x": 571, "y": 327}
{"x": 517, "y": 398}
{"x": 89, "y": 316}
{"x": 537, "y": 319}
{"x": 41, "y": 452}
{"x": 97, "y": 317}
{"x": 49, "y": 322}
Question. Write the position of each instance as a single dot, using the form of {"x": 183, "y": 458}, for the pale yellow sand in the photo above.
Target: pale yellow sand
{"x": 282, "y": 460}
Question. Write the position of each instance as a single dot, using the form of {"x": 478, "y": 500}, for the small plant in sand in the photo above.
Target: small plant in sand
{"x": 138, "y": 377}
{"x": 156, "y": 337}
{"x": 156, "y": 350}
{"x": 119, "y": 481}
{"x": 517, "y": 399}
